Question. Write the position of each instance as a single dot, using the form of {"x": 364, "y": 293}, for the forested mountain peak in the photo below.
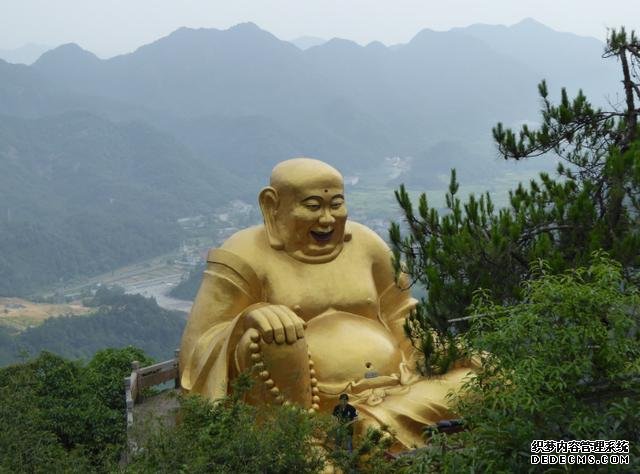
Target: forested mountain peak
{"x": 69, "y": 55}
{"x": 531, "y": 24}
{"x": 206, "y": 41}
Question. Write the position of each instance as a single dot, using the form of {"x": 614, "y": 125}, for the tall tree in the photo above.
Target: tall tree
{"x": 593, "y": 203}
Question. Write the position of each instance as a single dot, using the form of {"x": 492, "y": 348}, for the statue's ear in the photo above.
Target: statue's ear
{"x": 347, "y": 232}
{"x": 269, "y": 200}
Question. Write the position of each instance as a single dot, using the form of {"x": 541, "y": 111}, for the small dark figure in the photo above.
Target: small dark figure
{"x": 347, "y": 415}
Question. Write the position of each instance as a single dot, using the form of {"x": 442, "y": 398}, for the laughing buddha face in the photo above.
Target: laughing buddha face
{"x": 304, "y": 210}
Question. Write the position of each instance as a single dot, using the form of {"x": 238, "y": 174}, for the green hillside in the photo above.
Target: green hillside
{"x": 120, "y": 321}
{"x": 80, "y": 195}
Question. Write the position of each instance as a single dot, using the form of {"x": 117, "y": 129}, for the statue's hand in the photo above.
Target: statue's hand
{"x": 276, "y": 323}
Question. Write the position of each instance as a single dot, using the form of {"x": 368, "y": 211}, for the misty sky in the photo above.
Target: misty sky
{"x": 110, "y": 27}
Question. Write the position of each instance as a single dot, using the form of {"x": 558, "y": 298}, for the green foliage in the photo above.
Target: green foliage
{"x": 7, "y": 348}
{"x": 600, "y": 147}
{"x": 60, "y": 416}
{"x": 578, "y": 132}
{"x": 562, "y": 364}
{"x": 369, "y": 452}
{"x": 104, "y": 373}
{"x": 230, "y": 437}
{"x": 594, "y": 204}
{"x": 121, "y": 320}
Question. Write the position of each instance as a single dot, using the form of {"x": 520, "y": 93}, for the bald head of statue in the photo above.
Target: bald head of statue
{"x": 304, "y": 210}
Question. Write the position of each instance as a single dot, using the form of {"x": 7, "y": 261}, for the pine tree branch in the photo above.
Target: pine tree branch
{"x": 541, "y": 230}
{"x": 559, "y": 135}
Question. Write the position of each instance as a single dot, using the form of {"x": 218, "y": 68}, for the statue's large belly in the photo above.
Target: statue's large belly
{"x": 342, "y": 344}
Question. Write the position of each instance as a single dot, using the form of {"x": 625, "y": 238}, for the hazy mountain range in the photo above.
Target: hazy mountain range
{"x": 25, "y": 54}
{"x": 306, "y": 42}
{"x": 200, "y": 116}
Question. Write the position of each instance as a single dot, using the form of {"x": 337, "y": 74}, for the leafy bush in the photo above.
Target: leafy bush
{"x": 57, "y": 415}
{"x": 564, "y": 364}
{"x": 230, "y": 436}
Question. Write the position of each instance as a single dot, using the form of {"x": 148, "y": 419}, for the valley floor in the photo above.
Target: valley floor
{"x": 18, "y": 314}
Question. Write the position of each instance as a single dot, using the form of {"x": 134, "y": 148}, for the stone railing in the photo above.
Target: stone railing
{"x": 142, "y": 378}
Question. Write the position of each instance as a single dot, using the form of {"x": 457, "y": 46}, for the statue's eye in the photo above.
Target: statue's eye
{"x": 313, "y": 207}
{"x": 336, "y": 205}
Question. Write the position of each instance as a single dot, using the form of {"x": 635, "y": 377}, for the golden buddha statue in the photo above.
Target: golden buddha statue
{"x": 310, "y": 302}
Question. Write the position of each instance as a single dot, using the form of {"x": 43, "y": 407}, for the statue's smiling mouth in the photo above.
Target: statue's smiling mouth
{"x": 320, "y": 236}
